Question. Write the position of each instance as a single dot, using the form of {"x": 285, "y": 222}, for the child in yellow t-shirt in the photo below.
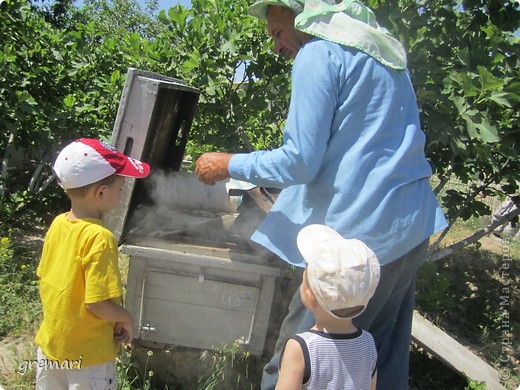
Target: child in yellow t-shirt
{"x": 80, "y": 287}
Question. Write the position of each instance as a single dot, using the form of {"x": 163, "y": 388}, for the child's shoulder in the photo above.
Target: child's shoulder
{"x": 96, "y": 230}
{"x": 89, "y": 228}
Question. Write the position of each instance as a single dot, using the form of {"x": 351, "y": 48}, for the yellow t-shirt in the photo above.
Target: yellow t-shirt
{"x": 78, "y": 266}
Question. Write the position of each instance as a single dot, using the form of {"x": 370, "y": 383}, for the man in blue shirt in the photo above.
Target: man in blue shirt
{"x": 352, "y": 159}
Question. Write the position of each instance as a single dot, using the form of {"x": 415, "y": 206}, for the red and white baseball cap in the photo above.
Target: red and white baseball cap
{"x": 342, "y": 273}
{"x": 86, "y": 161}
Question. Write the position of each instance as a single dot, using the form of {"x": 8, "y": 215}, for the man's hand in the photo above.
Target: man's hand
{"x": 212, "y": 167}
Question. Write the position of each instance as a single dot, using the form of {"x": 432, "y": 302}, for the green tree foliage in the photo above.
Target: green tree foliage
{"x": 19, "y": 303}
{"x": 463, "y": 58}
{"x": 57, "y": 13}
{"x": 116, "y": 18}
{"x": 56, "y": 84}
{"x": 217, "y": 47}
{"x": 63, "y": 80}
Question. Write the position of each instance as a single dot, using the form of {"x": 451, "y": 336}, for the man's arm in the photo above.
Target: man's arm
{"x": 293, "y": 366}
{"x": 306, "y": 134}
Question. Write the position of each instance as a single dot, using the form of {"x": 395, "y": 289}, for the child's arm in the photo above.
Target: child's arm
{"x": 292, "y": 368}
{"x": 108, "y": 310}
{"x": 373, "y": 382}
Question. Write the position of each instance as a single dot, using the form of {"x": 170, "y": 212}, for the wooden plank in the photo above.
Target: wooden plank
{"x": 450, "y": 352}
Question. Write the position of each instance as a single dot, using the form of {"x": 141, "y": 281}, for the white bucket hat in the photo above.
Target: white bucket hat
{"x": 342, "y": 273}
{"x": 347, "y": 22}
{"x": 86, "y": 161}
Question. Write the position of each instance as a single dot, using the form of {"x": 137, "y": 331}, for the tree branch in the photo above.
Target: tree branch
{"x": 465, "y": 204}
{"x": 446, "y": 178}
{"x": 245, "y": 138}
{"x": 438, "y": 188}
{"x": 5, "y": 166}
{"x": 434, "y": 255}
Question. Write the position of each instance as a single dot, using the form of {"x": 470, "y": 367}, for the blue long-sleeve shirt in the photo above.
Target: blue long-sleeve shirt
{"x": 352, "y": 158}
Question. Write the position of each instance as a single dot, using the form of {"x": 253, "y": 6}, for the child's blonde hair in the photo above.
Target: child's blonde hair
{"x": 82, "y": 191}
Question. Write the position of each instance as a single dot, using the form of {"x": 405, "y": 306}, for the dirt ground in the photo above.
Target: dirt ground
{"x": 14, "y": 349}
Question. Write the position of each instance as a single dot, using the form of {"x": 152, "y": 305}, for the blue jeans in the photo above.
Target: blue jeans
{"x": 388, "y": 317}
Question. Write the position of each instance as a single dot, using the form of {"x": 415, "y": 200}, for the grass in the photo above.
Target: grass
{"x": 19, "y": 299}
{"x": 128, "y": 374}
{"x": 19, "y": 355}
{"x": 472, "y": 295}
{"x": 226, "y": 368}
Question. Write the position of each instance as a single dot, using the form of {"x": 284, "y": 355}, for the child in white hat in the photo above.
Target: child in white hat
{"x": 80, "y": 287}
{"x": 340, "y": 278}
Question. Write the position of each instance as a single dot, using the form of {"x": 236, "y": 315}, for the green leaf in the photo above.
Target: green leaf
{"x": 135, "y": 41}
{"x": 229, "y": 46}
{"x": 471, "y": 126}
{"x": 465, "y": 82}
{"x": 460, "y": 104}
{"x": 57, "y": 55}
{"x": 177, "y": 14}
{"x": 500, "y": 99}
{"x": 115, "y": 77}
{"x": 192, "y": 62}
{"x": 514, "y": 88}
{"x": 69, "y": 101}
{"x": 488, "y": 81}
{"x": 488, "y": 132}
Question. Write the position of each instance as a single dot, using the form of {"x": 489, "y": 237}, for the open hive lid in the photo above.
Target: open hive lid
{"x": 152, "y": 125}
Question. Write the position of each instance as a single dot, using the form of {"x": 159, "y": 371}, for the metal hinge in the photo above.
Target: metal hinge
{"x": 148, "y": 327}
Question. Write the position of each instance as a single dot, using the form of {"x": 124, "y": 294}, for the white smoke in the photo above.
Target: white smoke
{"x": 180, "y": 203}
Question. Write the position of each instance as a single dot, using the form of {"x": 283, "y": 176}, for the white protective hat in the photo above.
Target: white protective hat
{"x": 342, "y": 273}
{"x": 86, "y": 161}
